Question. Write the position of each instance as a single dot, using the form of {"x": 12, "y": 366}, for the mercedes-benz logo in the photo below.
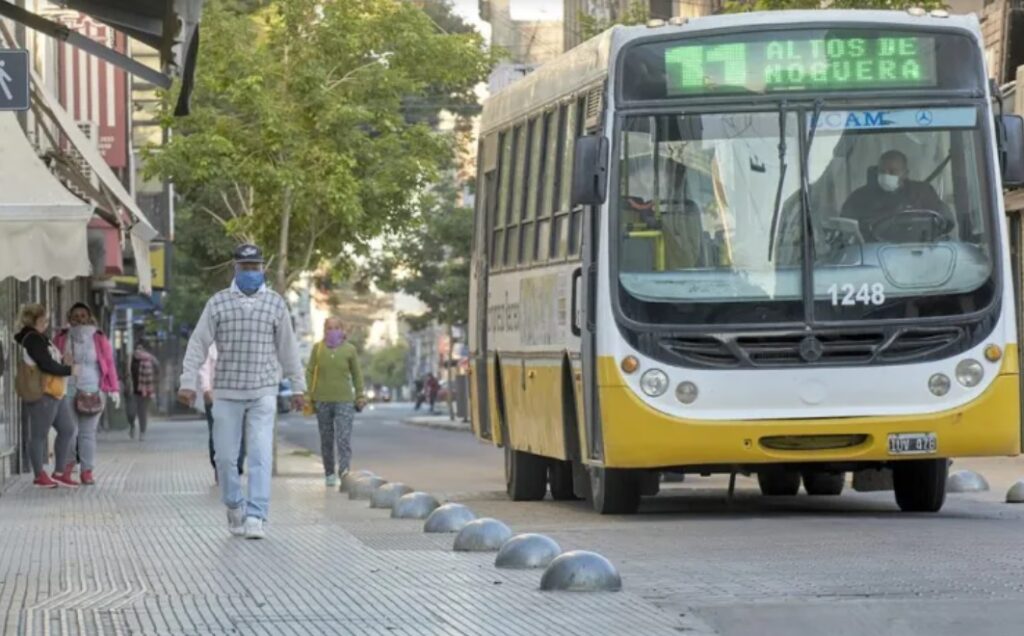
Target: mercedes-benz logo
{"x": 811, "y": 349}
{"x": 924, "y": 118}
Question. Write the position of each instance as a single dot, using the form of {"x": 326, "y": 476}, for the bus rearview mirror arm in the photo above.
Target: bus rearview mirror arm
{"x": 590, "y": 170}
{"x": 1010, "y": 136}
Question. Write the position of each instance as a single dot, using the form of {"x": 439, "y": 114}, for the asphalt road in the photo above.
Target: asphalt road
{"x": 750, "y": 565}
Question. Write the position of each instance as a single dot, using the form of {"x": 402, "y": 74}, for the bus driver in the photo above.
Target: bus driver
{"x": 891, "y": 192}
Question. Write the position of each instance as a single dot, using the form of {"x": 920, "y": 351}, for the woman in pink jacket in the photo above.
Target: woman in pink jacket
{"x": 94, "y": 379}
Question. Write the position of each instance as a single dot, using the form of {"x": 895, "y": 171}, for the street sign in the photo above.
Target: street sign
{"x": 13, "y": 79}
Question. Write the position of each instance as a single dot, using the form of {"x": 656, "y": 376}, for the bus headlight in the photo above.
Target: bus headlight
{"x": 686, "y": 392}
{"x": 969, "y": 373}
{"x": 939, "y": 384}
{"x": 654, "y": 382}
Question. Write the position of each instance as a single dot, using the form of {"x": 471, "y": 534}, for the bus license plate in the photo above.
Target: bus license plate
{"x": 912, "y": 443}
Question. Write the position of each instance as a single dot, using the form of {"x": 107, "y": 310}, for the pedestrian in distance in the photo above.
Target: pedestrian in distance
{"x": 206, "y": 373}
{"x": 42, "y": 386}
{"x": 145, "y": 371}
{"x": 432, "y": 388}
{"x": 252, "y": 329}
{"x": 418, "y": 392}
{"x": 335, "y": 384}
{"x": 92, "y": 384}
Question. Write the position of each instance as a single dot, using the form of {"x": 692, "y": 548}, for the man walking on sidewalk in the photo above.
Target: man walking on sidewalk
{"x": 252, "y": 329}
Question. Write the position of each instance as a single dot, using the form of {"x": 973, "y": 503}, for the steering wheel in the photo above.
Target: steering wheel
{"x": 907, "y": 225}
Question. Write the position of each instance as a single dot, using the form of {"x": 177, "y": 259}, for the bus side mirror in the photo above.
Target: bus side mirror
{"x": 590, "y": 171}
{"x": 1010, "y": 136}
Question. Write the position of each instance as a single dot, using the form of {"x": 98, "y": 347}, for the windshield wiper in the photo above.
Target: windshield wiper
{"x": 805, "y": 200}
{"x": 783, "y": 114}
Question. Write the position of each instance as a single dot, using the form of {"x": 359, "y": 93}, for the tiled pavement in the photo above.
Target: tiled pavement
{"x": 146, "y": 551}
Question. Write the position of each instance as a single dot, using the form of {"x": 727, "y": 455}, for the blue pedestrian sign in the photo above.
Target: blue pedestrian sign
{"x": 13, "y": 79}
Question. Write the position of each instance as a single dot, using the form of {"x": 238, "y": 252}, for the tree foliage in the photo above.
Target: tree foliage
{"x": 737, "y": 6}
{"x": 299, "y": 140}
{"x": 636, "y": 12}
{"x": 431, "y": 259}
{"x": 386, "y": 365}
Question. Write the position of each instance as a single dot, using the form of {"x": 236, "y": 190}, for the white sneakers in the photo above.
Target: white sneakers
{"x": 254, "y": 528}
{"x": 241, "y": 526}
{"x": 236, "y": 521}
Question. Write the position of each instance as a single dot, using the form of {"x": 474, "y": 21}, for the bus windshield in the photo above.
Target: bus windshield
{"x": 712, "y": 226}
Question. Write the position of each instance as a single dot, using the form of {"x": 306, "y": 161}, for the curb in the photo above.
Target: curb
{"x": 446, "y": 425}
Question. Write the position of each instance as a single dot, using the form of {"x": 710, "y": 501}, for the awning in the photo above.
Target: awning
{"x": 42, "y": 225}
{"x": 169, "y": 26}
{"x": 141, "y": 231}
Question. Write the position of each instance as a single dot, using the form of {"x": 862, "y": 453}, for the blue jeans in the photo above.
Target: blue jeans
{"x": 256, "y": 419}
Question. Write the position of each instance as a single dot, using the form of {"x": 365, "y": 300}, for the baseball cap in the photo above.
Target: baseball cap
{"x": 248, "y": 253}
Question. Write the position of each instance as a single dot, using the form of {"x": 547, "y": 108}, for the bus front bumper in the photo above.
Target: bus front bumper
{"x": 637, "y": 436}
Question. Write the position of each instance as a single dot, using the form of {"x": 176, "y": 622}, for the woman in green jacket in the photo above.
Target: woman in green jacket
{"x": 335, "y": 388}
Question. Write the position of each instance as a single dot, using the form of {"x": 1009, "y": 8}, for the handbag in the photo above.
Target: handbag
{"x": 28, "y": 383}
{"x": 309, "y": 408}
{"x": 88, "y": 403}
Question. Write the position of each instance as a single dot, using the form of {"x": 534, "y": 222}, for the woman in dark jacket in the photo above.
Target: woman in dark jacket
{"x": 51, "y": 409}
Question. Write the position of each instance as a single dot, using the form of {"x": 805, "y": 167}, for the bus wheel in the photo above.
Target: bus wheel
{"x": 820, "y": 482}
{"x": 525, "y": 475}
{"x": 920, "y": 485}
{"x": 614, "y": 491}
{"x": 778, "y": 482}
{"x": 560, "y": 480}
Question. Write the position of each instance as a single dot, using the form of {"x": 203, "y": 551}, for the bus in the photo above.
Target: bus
{"x": 766, "y": 244}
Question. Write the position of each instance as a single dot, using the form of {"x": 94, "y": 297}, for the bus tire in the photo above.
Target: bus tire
{"x": 920, "y": 484}
{"x": 821, "y": 482}
{"x": 526, "y": 475}
{"x": 778, "y": 482}
{"x": 560, "y": 480}
{"x": 614, "y": 491}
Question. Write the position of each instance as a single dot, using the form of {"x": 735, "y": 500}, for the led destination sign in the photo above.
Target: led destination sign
{"x": 786, "y": 64}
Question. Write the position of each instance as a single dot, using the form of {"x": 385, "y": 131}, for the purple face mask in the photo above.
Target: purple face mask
{"x": 334, "y": 337}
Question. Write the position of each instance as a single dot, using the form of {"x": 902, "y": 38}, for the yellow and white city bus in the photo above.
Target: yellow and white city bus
{"x": 767, "y": 243}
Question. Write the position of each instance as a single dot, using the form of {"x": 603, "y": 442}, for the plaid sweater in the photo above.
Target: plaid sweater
{"x": 255, "y": 343}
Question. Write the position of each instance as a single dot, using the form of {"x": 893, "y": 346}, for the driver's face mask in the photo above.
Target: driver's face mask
{"x": 889, "y": 182}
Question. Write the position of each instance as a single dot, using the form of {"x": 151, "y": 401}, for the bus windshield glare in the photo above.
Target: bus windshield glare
{"x": 711, "y": 223}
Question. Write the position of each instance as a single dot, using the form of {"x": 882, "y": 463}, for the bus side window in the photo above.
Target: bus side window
{"x": 517, "y": 184}
{"x": 576, "y": 216}
{"x": 545, "y": 205}
{"x": 500, "y": 205}
{"x": 563, "y": 181}
{"x": 529, "y": 209}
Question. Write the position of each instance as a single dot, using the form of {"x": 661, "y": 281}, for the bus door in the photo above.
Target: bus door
{"x": 487, "y": 204}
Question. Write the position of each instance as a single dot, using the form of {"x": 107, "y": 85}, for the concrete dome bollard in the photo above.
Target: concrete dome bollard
{"x": 364, "y": 486}
{"x": 451, "y": 517}
{"x": 527, "y": 551}
{"x": 1016, "y": 493}
{"x": 482, "y": 535}
{"x": 352, "y": 477}
{"x": 966, "y": 481}
{"x": 386, "y": 495}
{"x": 581, "y": 571}
{"x": 415, "y": 505}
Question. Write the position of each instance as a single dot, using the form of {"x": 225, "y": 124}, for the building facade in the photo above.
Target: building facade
{"x": 611, "y": 11}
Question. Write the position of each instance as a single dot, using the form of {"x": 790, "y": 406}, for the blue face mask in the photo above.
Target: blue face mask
{"x": 249, "y": 281}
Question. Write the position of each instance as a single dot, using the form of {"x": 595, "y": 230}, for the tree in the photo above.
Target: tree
{"x": 386, "y": 365}
{"x": 298, "y": 140}
{"x": 431, "y": 262}
{"x": 736, "y": 6}
{"x": 636, "y": 12}
{"x": 431, "y": 259}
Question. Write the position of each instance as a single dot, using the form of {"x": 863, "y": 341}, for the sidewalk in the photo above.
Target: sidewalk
{"x": 146, "y": 551}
